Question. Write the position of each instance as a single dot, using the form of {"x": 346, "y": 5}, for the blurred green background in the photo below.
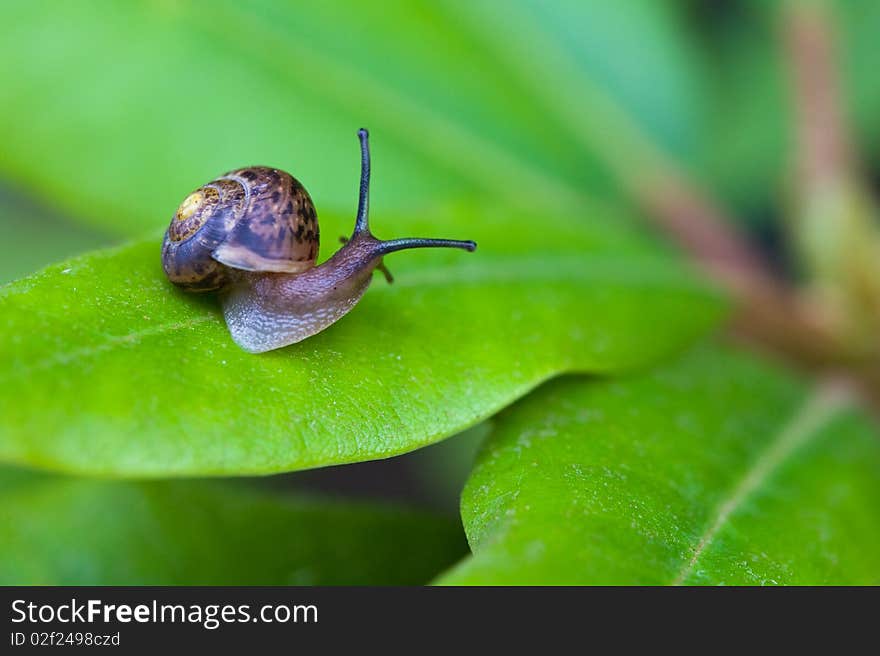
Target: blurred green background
{"x": 113, "y": 111}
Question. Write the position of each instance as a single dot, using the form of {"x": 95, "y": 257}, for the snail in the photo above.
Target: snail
{"x": 252, "y": 236}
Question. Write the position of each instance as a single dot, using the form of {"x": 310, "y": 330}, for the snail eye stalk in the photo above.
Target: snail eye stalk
{"x": 362, "y": 223}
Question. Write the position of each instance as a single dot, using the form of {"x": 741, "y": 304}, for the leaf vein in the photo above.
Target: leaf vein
{"x": 805, "y": 423}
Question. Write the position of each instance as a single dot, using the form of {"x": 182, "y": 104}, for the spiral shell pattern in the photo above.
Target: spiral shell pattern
{"x": 251, "y": 219}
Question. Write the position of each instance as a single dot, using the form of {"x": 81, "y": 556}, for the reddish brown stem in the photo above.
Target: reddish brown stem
{"x": 824, "y": 152}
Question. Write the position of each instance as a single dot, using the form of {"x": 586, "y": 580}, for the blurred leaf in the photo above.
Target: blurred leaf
{"x": 856, "y": 28}
{"x": 747, "y": 138}
{"x": 719, "y": 470}
{"x": 128, "y": 106}
{"x": 621, "y": 78}
{"x": 109, "y": 369}
{"x": 34, "y": 237}
{"x": 59, "y": 531}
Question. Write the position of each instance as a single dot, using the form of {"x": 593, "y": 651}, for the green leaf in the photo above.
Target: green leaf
{"x": 131, "y": 105}
{"x": 718, "y": 470}
{"x": 60, "y": 531}
{"x": 106, "y": 368}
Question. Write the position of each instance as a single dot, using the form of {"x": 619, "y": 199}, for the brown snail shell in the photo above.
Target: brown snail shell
{"x": 252, "y": 219}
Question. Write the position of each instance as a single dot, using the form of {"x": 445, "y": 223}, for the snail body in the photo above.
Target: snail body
{"x": 252, "y": 236}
